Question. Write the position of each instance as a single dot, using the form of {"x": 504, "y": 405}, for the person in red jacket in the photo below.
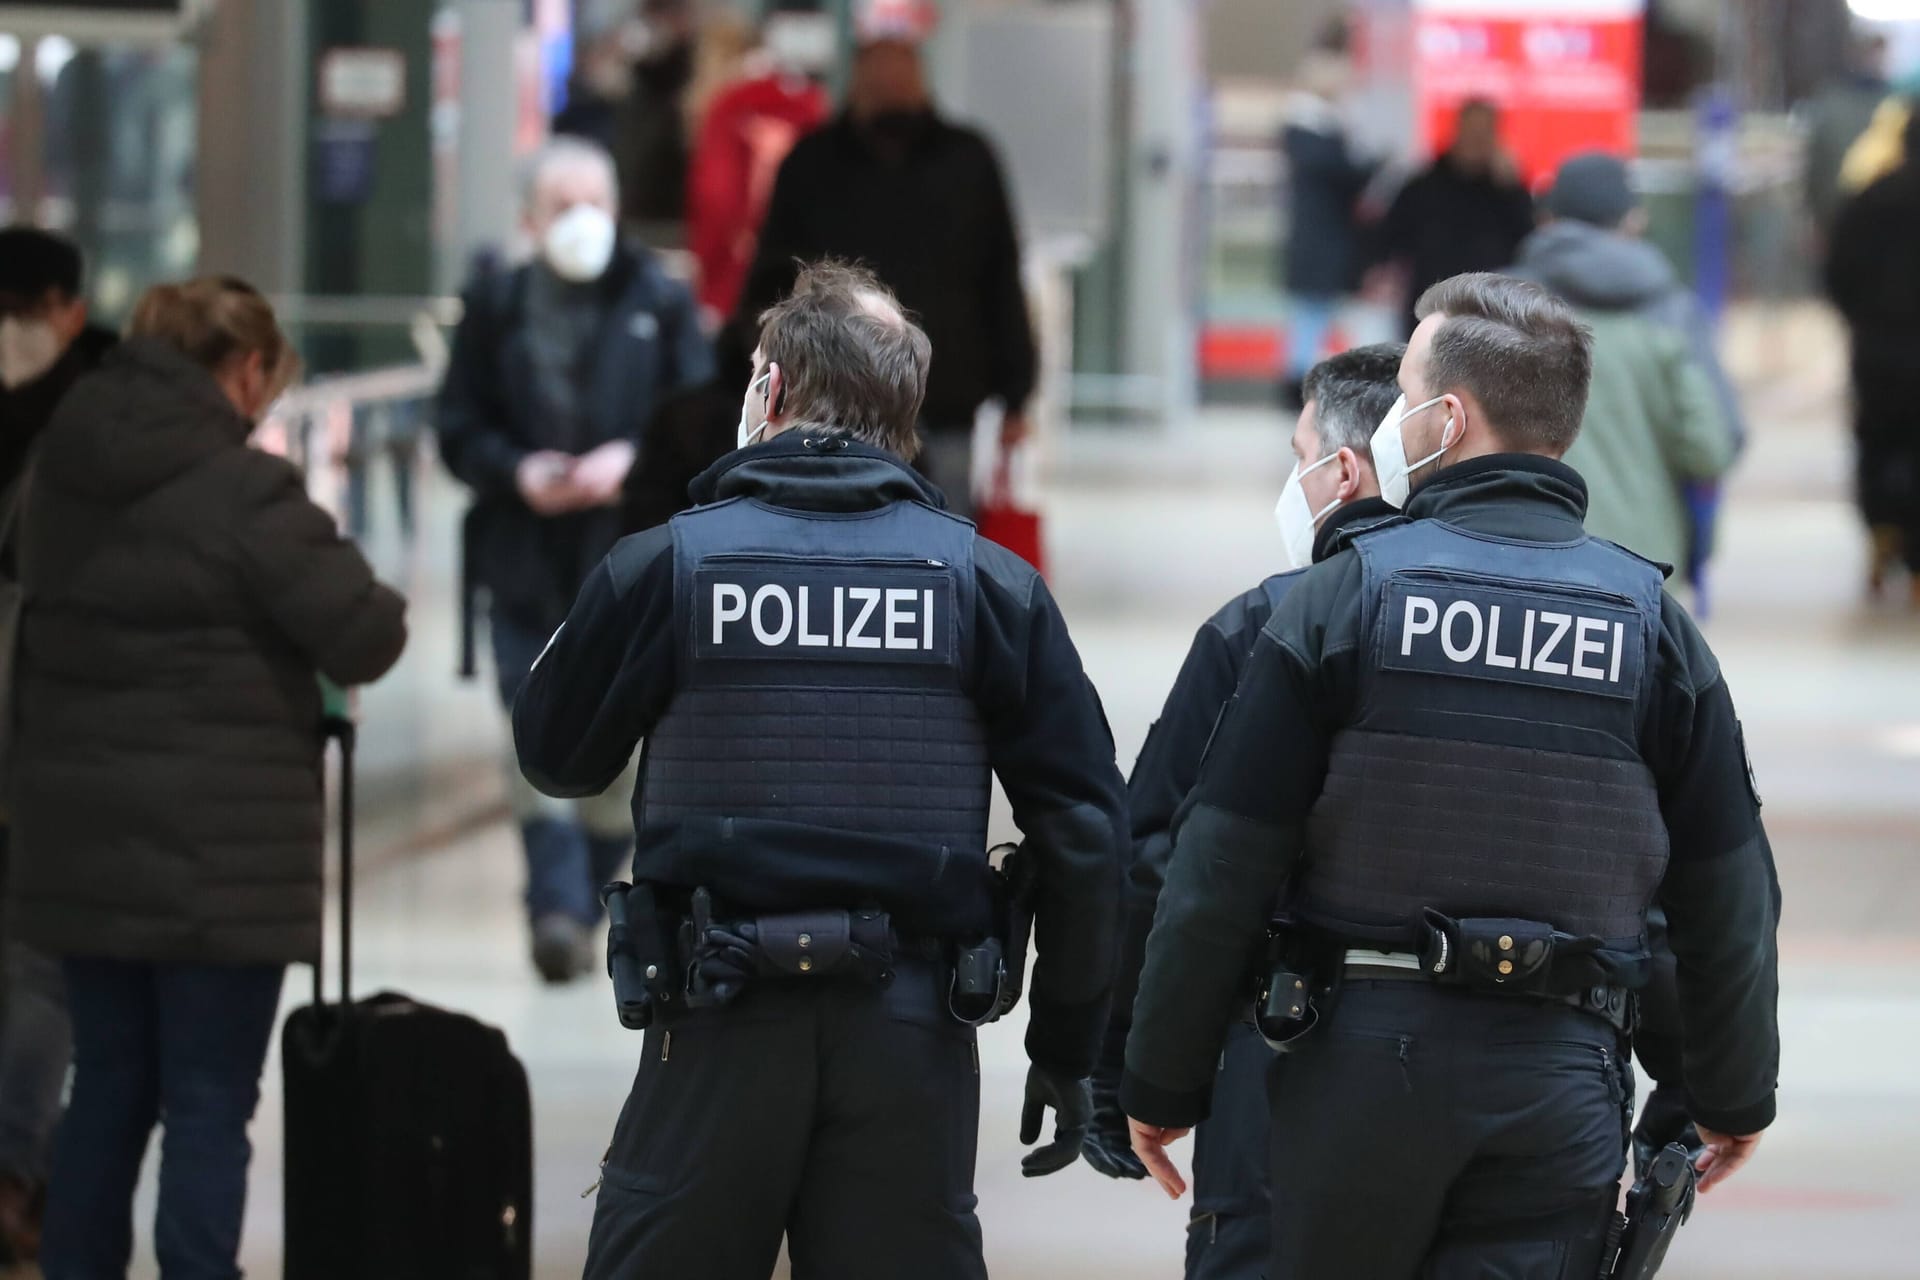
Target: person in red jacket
{"x": 748, "y": 130}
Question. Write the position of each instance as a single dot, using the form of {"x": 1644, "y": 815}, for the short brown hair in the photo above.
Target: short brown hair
{"x": 1523, "y": 353}
{"x": 852, "y": 360}
{"x": 214, "y": 319}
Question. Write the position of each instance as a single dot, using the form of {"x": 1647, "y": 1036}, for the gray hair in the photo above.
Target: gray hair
{"x": 1523, "y": 353}
{"x": 560, "y": 152}
{"x": 851, "y": 359}
{"x": 1351, "y": 393}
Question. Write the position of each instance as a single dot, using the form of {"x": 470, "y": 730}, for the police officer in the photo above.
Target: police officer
{"x": 1330, "y": 497}
{"x": 826, "y": 667}
{"x": 1472, "y": 749}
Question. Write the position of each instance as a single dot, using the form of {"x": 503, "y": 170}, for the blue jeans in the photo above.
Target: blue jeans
{"x": 174, "y": 1044}
{"x": 571, "y": 849}
{"x": 1310, "y": 318}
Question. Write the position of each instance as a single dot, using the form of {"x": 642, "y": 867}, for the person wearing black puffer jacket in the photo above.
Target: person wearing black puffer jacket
{"x": 183, "y": 597}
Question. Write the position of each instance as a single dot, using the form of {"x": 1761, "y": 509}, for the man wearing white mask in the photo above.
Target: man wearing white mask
{"x": 1330, "y": 497}
{"x": 1467, "y": 753}
{"x": 556, "y": 368}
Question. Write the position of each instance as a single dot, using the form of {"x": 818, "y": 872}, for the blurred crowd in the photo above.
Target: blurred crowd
{"x": 162, "y": 833}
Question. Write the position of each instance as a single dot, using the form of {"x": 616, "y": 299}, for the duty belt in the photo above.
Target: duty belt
{"x": 1611, "y": 1004}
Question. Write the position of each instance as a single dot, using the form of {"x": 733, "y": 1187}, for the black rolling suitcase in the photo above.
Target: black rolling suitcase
{"x": 409, "y": 1130}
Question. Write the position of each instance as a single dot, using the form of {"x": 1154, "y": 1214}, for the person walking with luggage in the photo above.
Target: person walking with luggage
{"x": 184, "y": 596}
{"x": 1470, "y": 751}
{"x": 557, "y": 368}
{"x": 828, "y": 669}
{"x": 1331, "y": 497}
{"x": 46, "y": 344}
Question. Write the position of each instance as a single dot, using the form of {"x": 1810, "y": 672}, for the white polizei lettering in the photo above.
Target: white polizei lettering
{"x": 839, "y": 617}
{"x": 898, "y": 617}
{"x": 760, "y": 632}
{"x": 1526, "y": 643}
{"x": 1619, "y": 637}
{"x": 1460, "y": 608}
{"x": 926, "y": 619}
{"x": 729, "y": 605}
{"x": 1582, "y": 646}
{"x": 809, "y": 639}
{"x": 1559, "y": 622}
{"x": 869, "y": 598}
{"x": 1495, "y": 658}
{"x": 1424, "y": 626}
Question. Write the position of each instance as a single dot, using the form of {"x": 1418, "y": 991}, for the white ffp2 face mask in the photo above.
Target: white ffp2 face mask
{"x": 747, "y": 434}
{"x": 579, "y": 243}
{"x": 1299, "y": 522}
{"x": 1389, "y": 449}
{"x": 28, "y": 348}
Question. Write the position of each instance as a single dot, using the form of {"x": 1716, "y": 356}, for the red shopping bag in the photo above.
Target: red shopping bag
{"x": 1002, "y": 519}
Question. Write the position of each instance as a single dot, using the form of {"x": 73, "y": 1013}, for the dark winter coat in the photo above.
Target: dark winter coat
{"x": 1447, "y": 221}
{"x": 491, "y": 414}
{"x": 1324, "y": 183}
{"x": 182, "y": 595}
{"x": 26, "y": 410}
{"x": 924, "y": 203}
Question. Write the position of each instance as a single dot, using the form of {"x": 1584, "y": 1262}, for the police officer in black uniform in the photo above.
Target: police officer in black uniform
{"x": 1330, "y": 497}
{"x": 825, "y": 668}
{"x": 1472, "y": 749}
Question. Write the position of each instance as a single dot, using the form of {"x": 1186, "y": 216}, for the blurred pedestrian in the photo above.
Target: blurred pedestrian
{"x": 1835, "y": 118}
{"x": 1873, "y": 277}
{"x": 1325, "y": 180}
{"x": 1662, "y": 416}
{"x": 46, "y": 344}
{"x": 1468, "y": 211}
{"x": 184, "y": 596}
{"x": 690, "y": 431}
{"x": 651, "y": 128}
{"x": 922, "y": 201}
{"x": 598, "y": 88}
{"x": 745, "y": 134}
{"x": 557, "y": 366}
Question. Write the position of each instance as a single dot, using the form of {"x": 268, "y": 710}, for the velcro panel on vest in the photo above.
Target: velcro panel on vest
{"x": 888, "y": 762}
{"x": 1406, "y": 822}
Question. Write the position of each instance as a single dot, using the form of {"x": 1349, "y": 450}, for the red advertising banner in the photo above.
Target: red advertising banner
{"x": 1565, "y": 73}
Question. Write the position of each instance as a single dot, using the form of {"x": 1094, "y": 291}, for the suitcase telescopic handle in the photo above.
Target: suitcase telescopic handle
{"x": 342, "y": 730}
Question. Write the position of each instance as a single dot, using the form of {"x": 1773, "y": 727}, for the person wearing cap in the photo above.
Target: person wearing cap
{"x": 923, "y": 202}
{"x": 1663, "y": 419}
{"x": 46, "y": 344}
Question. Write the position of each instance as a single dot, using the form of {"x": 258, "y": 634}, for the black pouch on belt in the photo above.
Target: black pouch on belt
{"x": 637, "y": 954}
{"x": 1513, "y": 955}
{"x": 840, "y": 944}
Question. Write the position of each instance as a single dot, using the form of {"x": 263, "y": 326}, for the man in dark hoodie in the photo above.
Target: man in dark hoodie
{"x": 1663, "y": 420}
{"x": 46, "y": 343}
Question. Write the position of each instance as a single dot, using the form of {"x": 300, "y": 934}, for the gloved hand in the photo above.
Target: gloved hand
{"x": 1072, "y": 1102}
{"x": 1108, "y": 1146}
{"x": 724, "y": 959}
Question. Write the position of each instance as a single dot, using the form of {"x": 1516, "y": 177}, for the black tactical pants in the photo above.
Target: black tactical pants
{"x": 1228, "y": 1235}
{"x": 841, "y": 1116}
{"x": 1440, "y": 1134}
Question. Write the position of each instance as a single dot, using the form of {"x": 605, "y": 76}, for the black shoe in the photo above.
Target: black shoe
{"x": 562, "y": 949}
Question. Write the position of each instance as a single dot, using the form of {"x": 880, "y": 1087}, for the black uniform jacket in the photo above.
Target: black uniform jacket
{"x": 1169, "y": 761}
{"x": 1242, "y": 832}
{"x": 610, "y": 672}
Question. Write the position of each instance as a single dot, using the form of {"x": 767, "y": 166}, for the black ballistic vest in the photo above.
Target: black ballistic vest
{"x": 821, "y": 748}
{"x": 1492, "y": 764}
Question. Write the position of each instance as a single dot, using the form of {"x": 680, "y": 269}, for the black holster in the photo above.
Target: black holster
{"x": 639, "y": 954}
{"x": 1296, "y": 986}
{"x": 1659, "y": 1201}
{"x": 988, "y": 975}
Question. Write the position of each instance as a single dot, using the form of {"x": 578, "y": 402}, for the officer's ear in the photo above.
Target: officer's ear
{"x": 1453, "y": 428}
{"x": 1353, "y": 475}
{"x": 776, "y": 390}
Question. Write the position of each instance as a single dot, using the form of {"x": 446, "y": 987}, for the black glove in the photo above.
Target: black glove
{"x": 725, "y": 959}
{"x": 1109, "y": 1145}
{"x": 1072, "y": 1103}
